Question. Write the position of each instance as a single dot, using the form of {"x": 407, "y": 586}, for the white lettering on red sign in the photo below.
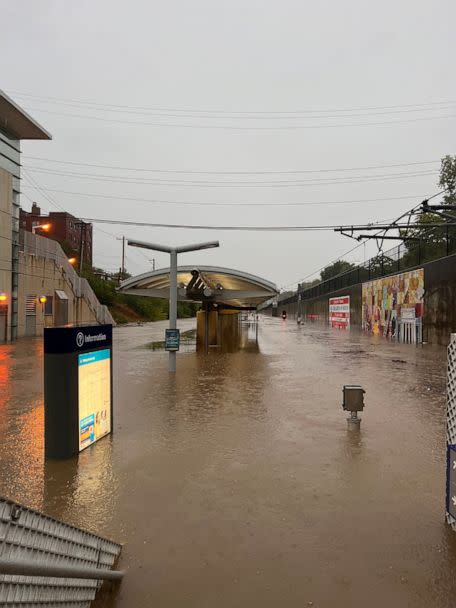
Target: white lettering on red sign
{"x": 339, "y": 312}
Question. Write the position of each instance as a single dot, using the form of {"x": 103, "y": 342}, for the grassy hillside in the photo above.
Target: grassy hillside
{"x": 126, "y": 308}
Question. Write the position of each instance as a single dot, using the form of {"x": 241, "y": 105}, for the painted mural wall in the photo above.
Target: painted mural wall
{"x": 387, "y": 300}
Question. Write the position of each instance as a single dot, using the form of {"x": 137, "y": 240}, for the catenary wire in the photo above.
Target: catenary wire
{"x": 231, "y": 184}
{"x": 225, "y": 204}
{"x": 242, "y": 128}
{"x": 197, "y": 172}
{"x": 229, "y": 112}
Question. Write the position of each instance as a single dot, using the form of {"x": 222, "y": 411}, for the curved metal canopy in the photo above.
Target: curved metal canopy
{"x": 204, "y": 283}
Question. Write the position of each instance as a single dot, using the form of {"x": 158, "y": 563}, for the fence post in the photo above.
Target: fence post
{"x": 399, "y": 256}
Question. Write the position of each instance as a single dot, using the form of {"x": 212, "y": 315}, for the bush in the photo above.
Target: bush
{"x": 149, "y": 309}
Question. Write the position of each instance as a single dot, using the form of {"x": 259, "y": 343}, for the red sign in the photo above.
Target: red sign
{"x": 339, "y": 312}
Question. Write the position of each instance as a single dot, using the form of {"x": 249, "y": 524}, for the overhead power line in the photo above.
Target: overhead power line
{"x": 321, "y": 227}
{"x": 286, "y": 127}
{"x": 51, "y": 200}
{"x": 125, "y": 107}
{"x": 225, "y": 204}
{"x": 316, "y": 115}
{"x": 231, "y": 184}
{"x": 199, "y": 172}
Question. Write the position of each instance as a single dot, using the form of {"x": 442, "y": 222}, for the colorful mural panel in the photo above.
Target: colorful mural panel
{"x": 389, "y": 300}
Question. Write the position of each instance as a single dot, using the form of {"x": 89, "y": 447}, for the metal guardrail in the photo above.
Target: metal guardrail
{"x": 44, "y": 561}
{"x": 40, "y": 246}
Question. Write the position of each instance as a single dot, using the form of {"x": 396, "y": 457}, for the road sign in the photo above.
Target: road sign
{"x": 172, "y": 339}
{"x": 451, "y": 480}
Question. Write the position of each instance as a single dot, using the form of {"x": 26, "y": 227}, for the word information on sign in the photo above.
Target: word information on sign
{"x": 94, "y": 377}
{"x": 339, "y": 312}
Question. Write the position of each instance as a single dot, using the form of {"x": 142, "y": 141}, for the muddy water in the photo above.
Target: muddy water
{"x": 237, "y": 484}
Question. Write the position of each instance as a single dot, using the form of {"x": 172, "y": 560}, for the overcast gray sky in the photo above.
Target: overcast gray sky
{"x": 205, "y": 64}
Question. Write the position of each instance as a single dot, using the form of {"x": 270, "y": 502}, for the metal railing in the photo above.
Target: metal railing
{"x": 34, "y": 244}
{"x": 36, "y": 550}
{"x": 34, "y": 568}
{"x": 441, "y": 242}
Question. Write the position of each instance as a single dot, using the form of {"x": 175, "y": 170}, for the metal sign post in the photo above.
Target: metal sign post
{"x": 172, "y": 340}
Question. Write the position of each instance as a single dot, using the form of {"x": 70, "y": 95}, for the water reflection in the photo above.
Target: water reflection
{"x": 226, "y": 478}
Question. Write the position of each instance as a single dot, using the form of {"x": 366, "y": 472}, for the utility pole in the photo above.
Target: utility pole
{"x": 122, "y": 266}
{"x": 81, "y": 245}
{"x": 123, "y": 257}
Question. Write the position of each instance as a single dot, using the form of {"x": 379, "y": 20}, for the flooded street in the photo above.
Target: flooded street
{"x": 236, "y": 483}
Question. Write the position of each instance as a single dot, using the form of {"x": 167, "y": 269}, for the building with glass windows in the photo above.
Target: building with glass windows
{"x": 15, "y": 125}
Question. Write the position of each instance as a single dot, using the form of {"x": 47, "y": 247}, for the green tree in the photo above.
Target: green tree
{"x": 432, "y": 240}
{"x": 335, "y": 269}
{"x": 447, "y": 180}
{"x": 308, "y": 284}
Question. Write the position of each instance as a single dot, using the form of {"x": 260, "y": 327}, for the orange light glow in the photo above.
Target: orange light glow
{"x": 45, "y": 227}
{"x": 3, "y": 297}
{"x": 43, "y": 299}
{"x": 72, "y": 260}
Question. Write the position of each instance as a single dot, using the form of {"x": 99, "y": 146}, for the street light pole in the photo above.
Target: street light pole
{"x": 172, "y": 304}
{"x": 173, "y": 251}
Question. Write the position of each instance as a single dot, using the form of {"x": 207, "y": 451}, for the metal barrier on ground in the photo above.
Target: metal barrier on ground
{"x": 46, "y": 562}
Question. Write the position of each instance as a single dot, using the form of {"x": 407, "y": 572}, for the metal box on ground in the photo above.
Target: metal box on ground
{"x": 353, "y": 398}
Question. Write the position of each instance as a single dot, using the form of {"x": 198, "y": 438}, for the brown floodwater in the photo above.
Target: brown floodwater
{"x": 236, "y": 483}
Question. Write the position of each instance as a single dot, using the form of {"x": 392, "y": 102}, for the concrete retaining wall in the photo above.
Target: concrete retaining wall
{"x": 40, "y": 276}
{"x": 439, "y": 319}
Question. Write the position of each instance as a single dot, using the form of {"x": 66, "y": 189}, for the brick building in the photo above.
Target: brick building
{"x": 63, "y": 227}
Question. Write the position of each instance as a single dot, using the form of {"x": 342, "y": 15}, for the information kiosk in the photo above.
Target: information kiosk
{"x": 77, "y": 388}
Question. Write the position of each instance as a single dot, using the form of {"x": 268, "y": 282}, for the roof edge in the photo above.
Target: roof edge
{"x": 36, "y": 131}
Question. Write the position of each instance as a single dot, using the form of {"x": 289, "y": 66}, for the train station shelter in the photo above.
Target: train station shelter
{"x": 223, "y": 292}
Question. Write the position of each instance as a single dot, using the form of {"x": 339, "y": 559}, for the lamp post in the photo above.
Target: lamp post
{"x": 44, "y": 227}
{"x": 173, "y": 251}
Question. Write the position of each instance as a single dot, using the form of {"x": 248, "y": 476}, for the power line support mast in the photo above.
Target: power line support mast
{"x": 173, "y": 251}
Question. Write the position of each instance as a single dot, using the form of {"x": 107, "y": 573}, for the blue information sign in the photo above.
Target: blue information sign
{"x": 172, "y": 339}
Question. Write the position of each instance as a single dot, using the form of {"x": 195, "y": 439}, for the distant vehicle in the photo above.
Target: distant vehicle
{"x": 284, "y": 314}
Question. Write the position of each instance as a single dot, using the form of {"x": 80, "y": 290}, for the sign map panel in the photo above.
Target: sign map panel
{"x": 94, "y": 379}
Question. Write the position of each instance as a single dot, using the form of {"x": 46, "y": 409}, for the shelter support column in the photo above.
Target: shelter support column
{"x": 217, "y": 328}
